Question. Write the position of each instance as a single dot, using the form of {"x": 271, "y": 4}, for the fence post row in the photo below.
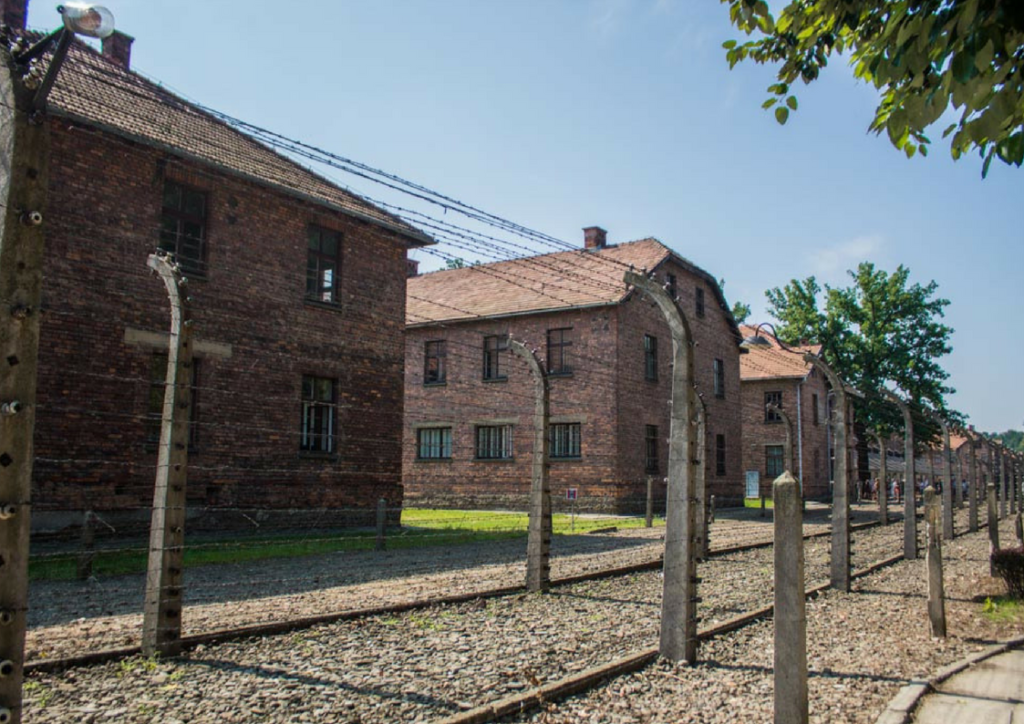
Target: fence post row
{"x": 790, "y": 607}
{"x": 538, "y": 546}
{"x": 161, "y": 623}
{"x": 909, "y": 480}
{"x": 24, "y": 148}
{"x": 678, "y": 640}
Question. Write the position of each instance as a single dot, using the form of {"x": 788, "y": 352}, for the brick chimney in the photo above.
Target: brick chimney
{"x": 118, "y": 47}
{"x": 13, "y": 13}
{"x": 594, "y": 237}
{"x": 412, "y": 268}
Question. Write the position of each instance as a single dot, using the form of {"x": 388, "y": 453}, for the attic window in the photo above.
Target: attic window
{"x": 700, "y": 301}
{"x": 183, "y": 226}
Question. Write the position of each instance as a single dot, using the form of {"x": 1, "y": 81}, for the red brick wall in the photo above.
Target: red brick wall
{"x": 93, "y": 386}
{"x": 607, "y": 392}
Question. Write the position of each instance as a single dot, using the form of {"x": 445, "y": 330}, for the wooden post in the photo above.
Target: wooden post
{"x": 85, "y": 557}
{"x": 972, "y": 485}
{"x": 538, "y": 546}
{"x": 936, "y": 594}
{"x": 910, "y": 481}
{"x": 790, "y": 612}
{"x": 678, "y": 639}
{"x": 24, "y": 180}
{"x": 993, "y": 527}
{"x": 883, "y": 482}
{"x": 161, "y": 623}
{"x": 649, "y": 515}
{"x": 382, "y": 524}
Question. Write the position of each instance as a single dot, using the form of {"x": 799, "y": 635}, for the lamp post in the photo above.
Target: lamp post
{"x": 24, "y": 149}
{"x": 840, "y": 569}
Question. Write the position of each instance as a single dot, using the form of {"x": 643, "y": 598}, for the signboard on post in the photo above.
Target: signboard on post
{"x": 571, "y": 493}
{"x": 753, "y": 484}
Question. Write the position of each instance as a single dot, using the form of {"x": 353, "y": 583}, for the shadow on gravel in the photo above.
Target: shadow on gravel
{"x": 811, "y": 673}
{"x": 278, "y": 674}
{"x": 604, "y": 599}
{"x": 904, "y": 594}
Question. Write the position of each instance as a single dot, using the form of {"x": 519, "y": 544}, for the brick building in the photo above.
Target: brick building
{"x": 298, "y": 301}
{"x": 773, "y": 375}
{"x": 470, "y": 402}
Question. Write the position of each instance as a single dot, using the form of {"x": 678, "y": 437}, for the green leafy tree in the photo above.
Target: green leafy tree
{"x": 924, "y": 56}
{"x": 1013, "y": 439}
{"x": 740, "y": 312}
{"x": 880, "y": 330}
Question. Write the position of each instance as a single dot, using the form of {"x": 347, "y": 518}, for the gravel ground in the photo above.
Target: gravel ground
{"x": 70, "y": 617}
{"x": 426, "y": 664}
{"x": 862, "y": 647}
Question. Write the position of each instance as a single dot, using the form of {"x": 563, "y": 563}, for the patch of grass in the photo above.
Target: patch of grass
{"x": 39, "y": 693}
{"x": 1003, "y": 609}
{"x": 756, "y": 503}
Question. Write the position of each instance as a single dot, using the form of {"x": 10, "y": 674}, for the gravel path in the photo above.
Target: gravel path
{"x": 71, "y": 617}
{"x": 426, "y": 664}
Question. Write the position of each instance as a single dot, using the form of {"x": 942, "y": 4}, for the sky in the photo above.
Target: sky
{"x": 561, "y": 114}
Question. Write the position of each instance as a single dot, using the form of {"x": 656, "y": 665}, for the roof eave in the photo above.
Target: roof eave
{"x": 507, "y": 315}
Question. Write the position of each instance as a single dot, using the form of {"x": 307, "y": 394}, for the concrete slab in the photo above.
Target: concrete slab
{"x": 957, "y": 709}
{"x": 998, "y": 678}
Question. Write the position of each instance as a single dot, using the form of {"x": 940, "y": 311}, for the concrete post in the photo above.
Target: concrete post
{"x": 972, "y": 485}
{"x": 840, "y": 564}
{"x": 883, "y": 481}
{"x": 993, "y": 471}
{"x": 959, "y": 479}
{"x": 649, "y": 515}
{"x": 993, "y": 526}
{"x": 85, "y": 557}
{"x": 936, "y": 594}
{"x": 538, "y": 546}
{"x": 1005, "y": 480}
{"x": 382, "y": 524}
{"x": 910, "y": 481}
{"x": 161, "y": 622}
{"x": 948, "y": 484}
{"x": 678, "y": 639}
{"x": 703, "y": 545}
{"x": 790, "y": 612}
{"x": 24, "y": 179}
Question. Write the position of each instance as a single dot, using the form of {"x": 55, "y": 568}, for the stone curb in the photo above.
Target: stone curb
{"x": 902, "y": 706}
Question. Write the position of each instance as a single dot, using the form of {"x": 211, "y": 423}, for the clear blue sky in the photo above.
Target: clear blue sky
{"x": 623, "y": 114}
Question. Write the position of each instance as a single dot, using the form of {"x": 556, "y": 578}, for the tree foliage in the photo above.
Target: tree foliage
{"x": 740, "y": 312}
{"x": 879, "y": 331}
{"x": 924, "y": 56}
{"x": 1012, "y": 439}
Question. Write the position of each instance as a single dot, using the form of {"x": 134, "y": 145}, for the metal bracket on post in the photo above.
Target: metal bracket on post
{"x": 909, "y": 482}
{"x": 161, "y": 624}
{"x": 678, "y": 640}
{"x": 538, "y": 546}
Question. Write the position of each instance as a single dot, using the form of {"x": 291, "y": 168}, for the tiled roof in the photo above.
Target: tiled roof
{"x": 550, "y": 282}
{"x": 94, "y": 90}
{"x": 766, "y": 363}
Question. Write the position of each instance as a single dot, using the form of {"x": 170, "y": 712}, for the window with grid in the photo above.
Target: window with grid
{"x": 650, "y": 357}
{"x": 495, "y": 359}
{"x": 774, "y": 464}
{"x": 155, "y": 403}
{"x": 494, "y": 442}
{"x": 183, "y": 226}
{"x": 671, "y": 286}
{"x": 772, "y": 399}
{"x": 565, "y": 440}
{"x": 559, "y": 342}
{"x": 323, "y": 265}
{"x": 319, "y": 403}
{"x": 814, "y": 406}
{"x": 651, "y": 445}
{"x": 434, "y": 367}
{"x": 719, "y": 378}
{"x": 434, "y": 443}
{"x": 699, "y": 299}
{"x": 720, "y": 454}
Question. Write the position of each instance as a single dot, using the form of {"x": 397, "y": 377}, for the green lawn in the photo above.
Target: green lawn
{"x": 756, "y": 503}
{"x": 421, "y": 527}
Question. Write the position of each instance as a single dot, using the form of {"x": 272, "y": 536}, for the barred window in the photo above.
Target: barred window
{"x": 814, "y": 406}
{"x": 319, "y": 402}
{"x": 699, "y": 297}
{"x": 719, "y": 454}
{"x": 494, "y": 442}
{"x": 559, "y": 342}
{"x": 495, "y": 359}
{"x": 183, "y": 226}
{"x": 650, "y": 357}
{"x": 770, "y": 399}
{"x": 719, "y": 378}
{"x": 434, "y": 358}
{"x": 323, "y": 264}
{"x": 651, "y": 449}
{"x": 565, "y": 440}
{"x": 774, "y": 463}
{"x": 434, "y": 443}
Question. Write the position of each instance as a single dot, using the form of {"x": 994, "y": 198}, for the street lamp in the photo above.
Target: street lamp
{"x": 840, "y": 569}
